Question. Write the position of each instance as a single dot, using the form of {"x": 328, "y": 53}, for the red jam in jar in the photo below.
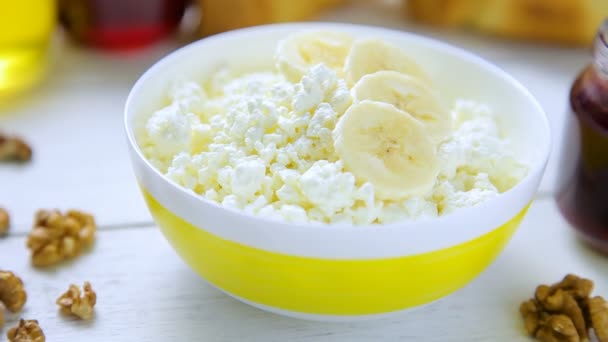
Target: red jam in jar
{"x": 582, "y": 193}
{"x": 120, "y": 24}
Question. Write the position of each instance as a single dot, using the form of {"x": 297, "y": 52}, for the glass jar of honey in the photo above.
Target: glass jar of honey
{"x": 582, "y": 194}
{"x": 26, "y": 28}
{"x": 120, "y": 24}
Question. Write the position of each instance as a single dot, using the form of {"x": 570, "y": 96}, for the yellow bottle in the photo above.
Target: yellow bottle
{"x": 26, "y": 27}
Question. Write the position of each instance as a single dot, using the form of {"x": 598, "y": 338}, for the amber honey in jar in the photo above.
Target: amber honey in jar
{"x": 120, "y": 24}
{"x": 582, "y": 194}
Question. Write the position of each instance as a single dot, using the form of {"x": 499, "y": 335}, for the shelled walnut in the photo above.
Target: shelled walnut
{"x": 14, "y": 149}
{"x": 558, "y": 328}
{"x": 26, "y": 331}
{"x": 12, "y": 291}
{"x": 12, "y": 294}
{"x": 564, "y": 312}
{"x": 556, "y": 300}
{"x": 598, "y": 312}
{"x": 5, "y": 222}
{"x": 56, "y": 237}
{"x": 71, "y": 302}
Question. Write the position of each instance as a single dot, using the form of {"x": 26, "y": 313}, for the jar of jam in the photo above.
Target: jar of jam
{"x": 120, "y": 24}
{"x": 582, "y": 194}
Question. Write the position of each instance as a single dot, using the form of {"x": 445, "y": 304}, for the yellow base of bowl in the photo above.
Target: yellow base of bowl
{"x": 315, "y": 286}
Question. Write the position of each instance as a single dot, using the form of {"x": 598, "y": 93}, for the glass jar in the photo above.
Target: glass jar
{"x": 120, "y": 24}
{"x": 26, "y": 28}
{"x": 582, "y": 194}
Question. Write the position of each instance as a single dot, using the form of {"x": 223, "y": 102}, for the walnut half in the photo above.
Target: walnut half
{"x": 598, "y": 310}
{"x": 558, "y": 328}
{"x": 26, "y": 331}
{"x": 564, "y": 311}
{"x": 531, "y": 312}
{"x": 71, "y": 302}
{"x": 14, "y": 149}
{"x": 56, "y": 237}
{"x": 5, "y": 222}
{"x": 558, "y": 301}
{"x": 12, "y": 292}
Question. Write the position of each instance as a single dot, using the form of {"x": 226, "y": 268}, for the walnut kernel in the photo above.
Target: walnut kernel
{"x": 579, "y": 288}
{"x": 531, "y": 312}
{"x": 71, "y": 302}
{"x": 564, "y": 311}
{"x": 14, "y": 149}
{"x": 56, "y": 237}
{"x": 558, "y": 328}
{"x": 598, "y": 310}
{"x": 5, "y": 221}
{"x": 557, "y": 301}
{"x": 26, "y": 331}
{"x": 12, "y": 292}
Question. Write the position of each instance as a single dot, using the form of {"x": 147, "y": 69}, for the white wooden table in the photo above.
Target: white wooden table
{"x": 146, "y": 293}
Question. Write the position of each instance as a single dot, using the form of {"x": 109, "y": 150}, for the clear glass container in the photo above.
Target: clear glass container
{"x": 26, "y": 28}
{"x": 121, "y": 24}
{"x": 582, "y": 194}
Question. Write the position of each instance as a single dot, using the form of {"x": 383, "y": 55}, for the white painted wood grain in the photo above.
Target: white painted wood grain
{"x": 145, "y": 293}
{"x": 74, "y": 122}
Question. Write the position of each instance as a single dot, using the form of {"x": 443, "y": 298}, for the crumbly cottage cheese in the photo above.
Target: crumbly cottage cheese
{"x": 264, "y": 145}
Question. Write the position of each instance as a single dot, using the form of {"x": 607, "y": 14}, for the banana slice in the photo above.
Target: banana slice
{"x": 387, "y": 147}
{"x": 298, "y": 52}
{"x": 370, "y": 55}
{"x": 410, "y": 95}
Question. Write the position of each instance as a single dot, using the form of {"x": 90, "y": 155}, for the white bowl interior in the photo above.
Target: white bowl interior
{"x": 457, "y": 73}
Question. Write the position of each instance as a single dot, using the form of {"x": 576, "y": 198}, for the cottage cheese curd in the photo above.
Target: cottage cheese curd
{"x": 262, "y": 144}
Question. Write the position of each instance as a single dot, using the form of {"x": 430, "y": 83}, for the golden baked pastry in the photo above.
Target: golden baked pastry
{"x": 219, "y": 16}
{"x": 565, "y": 21}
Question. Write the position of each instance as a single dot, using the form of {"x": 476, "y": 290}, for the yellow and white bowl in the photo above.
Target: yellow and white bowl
{"x": 323, "y": 272}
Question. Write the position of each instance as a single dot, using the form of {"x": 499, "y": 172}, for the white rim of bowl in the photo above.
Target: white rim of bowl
{"x": 537, "y": 167}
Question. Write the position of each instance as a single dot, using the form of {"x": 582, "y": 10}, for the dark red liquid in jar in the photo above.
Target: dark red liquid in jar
{"x": 121, "y": 24}
{"x": 583, "y": 195}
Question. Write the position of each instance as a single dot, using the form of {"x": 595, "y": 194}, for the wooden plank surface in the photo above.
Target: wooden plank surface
{"x": 146, "y": 293}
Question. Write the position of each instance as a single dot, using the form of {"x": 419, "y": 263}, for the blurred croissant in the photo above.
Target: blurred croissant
{"x": 573, "y": 22}
{"x": 224, "y": 15}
